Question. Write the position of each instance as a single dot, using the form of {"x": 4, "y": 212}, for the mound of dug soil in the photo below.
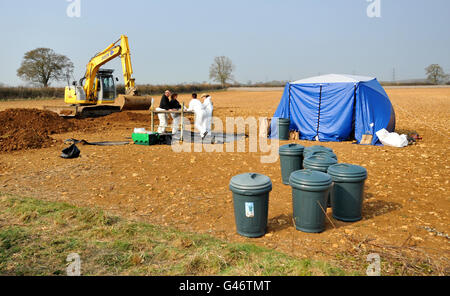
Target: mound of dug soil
{"x": 30, "y": 128}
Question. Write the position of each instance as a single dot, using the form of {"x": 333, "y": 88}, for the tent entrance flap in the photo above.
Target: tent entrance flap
{"x": 336, "y": 111}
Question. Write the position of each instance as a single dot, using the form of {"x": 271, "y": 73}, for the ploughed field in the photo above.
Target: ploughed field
{"x": 407, "y": 200}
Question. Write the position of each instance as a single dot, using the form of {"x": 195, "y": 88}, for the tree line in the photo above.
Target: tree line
{"x": 11, "y": 93}
{"x": 42, "y": 66}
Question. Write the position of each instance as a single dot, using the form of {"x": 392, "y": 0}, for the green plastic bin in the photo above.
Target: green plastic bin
{"x": 317, "y": 148}
{"x": 320, "y": 152}
{"x": 348, "y": 191}
{"x": 251, "y": 203}
{"x": 283, "y": 128}
{"x": 320, "y": 163}
{"x": 291, "y": 160}
{"x": 309, "y": 199}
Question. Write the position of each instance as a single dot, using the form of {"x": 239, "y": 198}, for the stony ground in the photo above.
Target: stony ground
{"x": 407, "y": 202}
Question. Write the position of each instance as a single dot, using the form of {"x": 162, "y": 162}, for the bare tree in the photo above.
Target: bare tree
{"x": 221, "y": 70}
{"x": 435, "y": 74}
{"x": 42, "y": 65}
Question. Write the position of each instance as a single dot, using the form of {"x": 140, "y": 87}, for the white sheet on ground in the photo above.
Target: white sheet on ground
{"x": 392, "y": 139}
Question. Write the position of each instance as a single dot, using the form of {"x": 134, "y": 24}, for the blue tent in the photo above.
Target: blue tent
{"x": 333, "y": 108}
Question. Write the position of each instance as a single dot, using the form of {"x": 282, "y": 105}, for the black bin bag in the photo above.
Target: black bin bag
{"x": 71, "y": 152}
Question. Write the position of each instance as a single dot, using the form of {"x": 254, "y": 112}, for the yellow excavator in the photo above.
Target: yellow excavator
{"x": 96, "y": 93}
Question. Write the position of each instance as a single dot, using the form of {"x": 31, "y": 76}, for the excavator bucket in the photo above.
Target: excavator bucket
{"x": 126, "y": 102}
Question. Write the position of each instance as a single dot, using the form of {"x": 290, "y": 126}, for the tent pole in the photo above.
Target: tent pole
{"x": 318, "y": 116}
{"x": 289, "y": 101}
{"x": 354, "y": 113}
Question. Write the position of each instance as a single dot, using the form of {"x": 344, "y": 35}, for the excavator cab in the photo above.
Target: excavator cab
{"x": 106, "y": 88}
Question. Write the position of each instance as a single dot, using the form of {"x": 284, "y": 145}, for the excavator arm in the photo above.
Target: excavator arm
{"x": 130, "y": 86}
{"x": 111, "y": 52}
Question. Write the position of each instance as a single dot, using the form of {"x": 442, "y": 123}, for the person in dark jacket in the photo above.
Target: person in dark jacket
{"x": 165, "y": 102}
{"x": 174, "y": 104}
{"x": 164, "y": 105}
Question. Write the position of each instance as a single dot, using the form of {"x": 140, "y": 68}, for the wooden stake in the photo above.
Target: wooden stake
{"x": 326, "y": 215}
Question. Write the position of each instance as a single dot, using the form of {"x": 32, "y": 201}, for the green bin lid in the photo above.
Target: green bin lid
{"x": 319, "y": 161}
{"x": 321, "y": 152}
{"x": 251, "y": 182}
{"x": 310, "y": 178}
{"x": 318, "y": 148}
{"x": 291, "y": 149}
{"x": 347, "y": 171}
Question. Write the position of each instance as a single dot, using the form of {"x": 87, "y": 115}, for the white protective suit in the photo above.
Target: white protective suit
{"x": 200, "y": 115}
{"x": 162, "y": 121}
{"x": 176, "y": 122}
{"x": 208, "y": 106}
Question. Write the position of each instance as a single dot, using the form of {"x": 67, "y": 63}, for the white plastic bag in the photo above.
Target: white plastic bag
{"x": 392, "y": 139}
{"x": 140, "y": 131}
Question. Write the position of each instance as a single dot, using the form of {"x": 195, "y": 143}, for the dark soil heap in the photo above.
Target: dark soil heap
{"x": 30, "y": 128}
{"x": 22, "y": 129}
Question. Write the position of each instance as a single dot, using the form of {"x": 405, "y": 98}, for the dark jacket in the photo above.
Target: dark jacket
{"x": 165, "y": 103}
{"x": 174, "y": 104}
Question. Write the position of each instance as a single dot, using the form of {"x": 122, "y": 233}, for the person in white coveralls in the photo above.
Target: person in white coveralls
{"x": 200, "y": 115}
{"x": 208, "y": 106}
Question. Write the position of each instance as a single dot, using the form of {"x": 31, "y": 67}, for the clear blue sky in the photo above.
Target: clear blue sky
{"x": 176, "y": 41}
